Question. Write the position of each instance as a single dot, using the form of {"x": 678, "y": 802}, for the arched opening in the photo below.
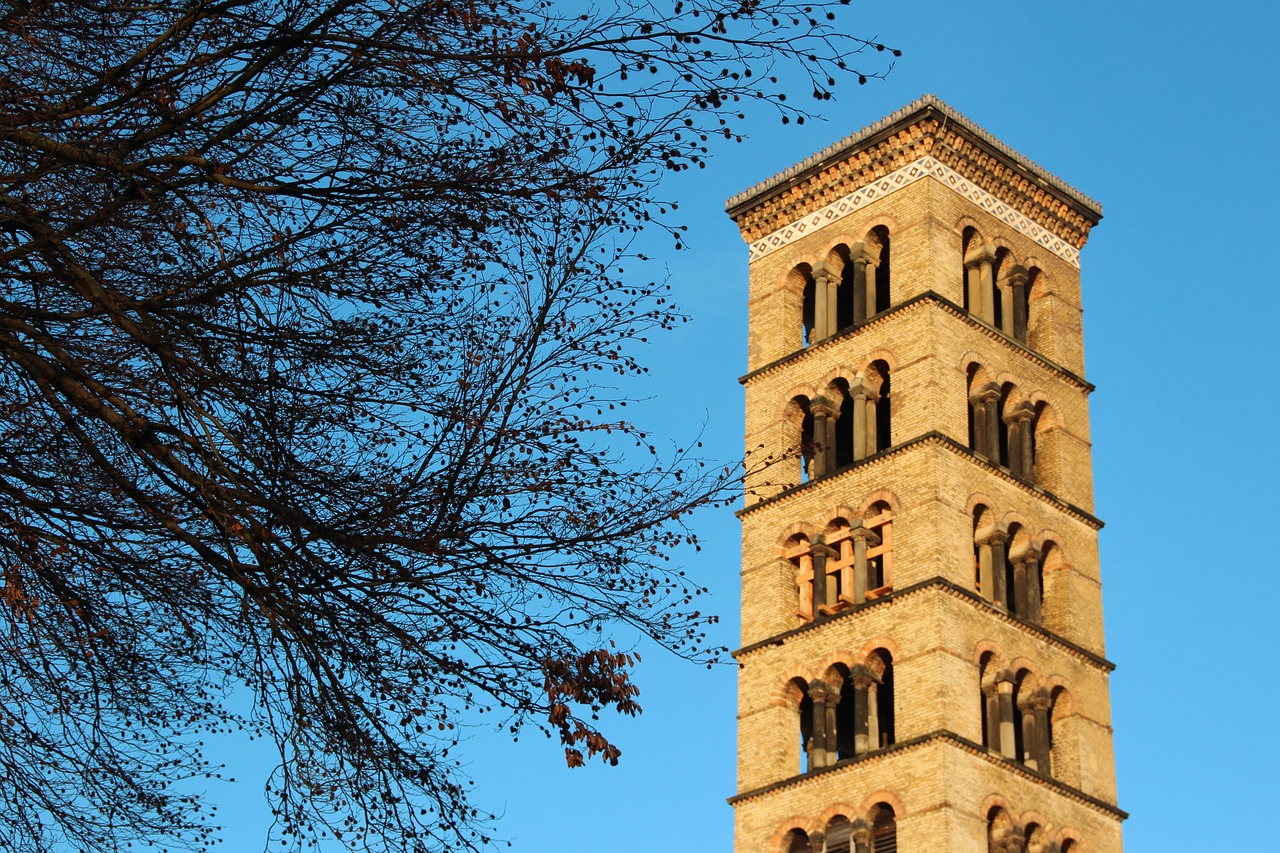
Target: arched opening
{"x": 990, "y": 557}
{"x": 997, "y": 291}
{"x": 806, "y": 720}
{"x": 797, "y": 841}
{"x": 846, "y": 743}
{"x": 799, "y": 553}
{"x": 800, "y": 415}
{"x": 845, "y": 428}
{"x": 878, "y": 300}
{"x": 1054, "y": 598}
{"x": 884, "y": 829}
{"x": 879, "y": 520}
{"x": 881, "y": 704}
{"x": 989, "y": 702}
{"x": 1014, "y": 581}
{"x": 881, "y": 437}
{"x": 809, "y": 318}
{"x": 999, "y": 830}
{"x": 1002, "y": 426}
{"x": 1023, "y": 721}
{"x": 838, "y": 836}
{"x": 968, "y": 272}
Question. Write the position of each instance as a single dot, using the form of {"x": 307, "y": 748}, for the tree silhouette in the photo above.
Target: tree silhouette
{"x": 311, "y": 319}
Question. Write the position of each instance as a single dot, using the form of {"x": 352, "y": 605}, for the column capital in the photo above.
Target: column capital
{"x": 821, "y": 407}
{"x": 822, "y": 549}
{"x": 861, "y": 832}
{"x": 995, "y": 537}
{"x": 983, "y": 393}
{"x": 978, "y": 254}
{"x": 1030, "y": 555}
{"x": 1004, "y": 680}
{"x": 1024, "y": 411}
{"x": 861, "y": 531}
{"x": 862, "y": 677}
{"x": 1016, "y": 277}
{"x": 863, "y": 254}
{"x": 1039, "y": 700}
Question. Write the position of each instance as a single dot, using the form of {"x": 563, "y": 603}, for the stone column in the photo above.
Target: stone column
{"x": 978, "y": 410}
{"x": 824, "y": 436}
{"x": 1021, "y": 463}
{"x": 862, "y": 538}
{"x": 987, "y": 284}
{"x": 872, "y": 442}
{"x": 873, "y": 715}
{"x": 990, "y": 696}
{"x": 1015, "y": 441}
{"x": 1017, "y": 285}
{"x": 860, "y": 395}
{"x": 872, "y": 292}
{"x": 861, "y": 681}
{"x": 833, "y": 747}
{"x": 1015, "y": 842}
{"x": 990, "y": 396}
{"x": 1029, "y": 752}
{"x": 1019, "y": 588}
{"x": 1031, "y": 562}
{"x": 864, "y": 282}
{"x": 1040, "y": 703}
{"x": 861, "y": 836}
{"x": 972, "y": 293}
{"x": 824, "y": 289}
{"x": 1008, "y": 738}
{"x": 999, "y": 585}
{"x": 818, "y": 742}
{"x": 819, "y": 551}
{"x": 986, "y": 580}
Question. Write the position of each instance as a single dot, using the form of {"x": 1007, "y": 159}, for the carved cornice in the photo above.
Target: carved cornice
{"x": 925, "y": 139}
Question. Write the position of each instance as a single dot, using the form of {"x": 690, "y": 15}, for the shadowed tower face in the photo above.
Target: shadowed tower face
{"x": 922, "y": 661}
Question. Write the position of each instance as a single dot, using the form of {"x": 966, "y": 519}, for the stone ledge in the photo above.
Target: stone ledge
{"x": 948, "y": 737}
{"x": 952, "y": 308}
{"x": 954, "y": 589}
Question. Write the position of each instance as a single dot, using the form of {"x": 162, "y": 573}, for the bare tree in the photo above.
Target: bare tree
{"x": 311, "y": 319}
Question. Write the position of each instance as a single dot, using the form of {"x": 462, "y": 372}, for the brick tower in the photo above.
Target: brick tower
{"x": 922, "y": 667}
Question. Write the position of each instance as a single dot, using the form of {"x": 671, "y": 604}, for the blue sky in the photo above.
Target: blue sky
{"x": 1166, "y": 114}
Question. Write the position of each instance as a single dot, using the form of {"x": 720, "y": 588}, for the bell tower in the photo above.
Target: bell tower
{"x": 922, "y": 664}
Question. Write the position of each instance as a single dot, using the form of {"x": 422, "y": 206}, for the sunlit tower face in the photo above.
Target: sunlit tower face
{"x": 922, "y": 661}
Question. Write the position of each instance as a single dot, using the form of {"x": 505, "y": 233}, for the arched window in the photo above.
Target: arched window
{"x": 797, "y": 841}
{"x": 884, "y": 829}
{"x": 800, "y": 416}
{"x": 980, "y": 293}
{"x": 878, "y": 284}
{"x": 879, "y": 411}
{"x": 997, "y": 292}
{"x": 807, "y": 722}
{"x": 1001, "y": 833}
{"x": 989, "y": 556}
{"x": 879, "y": 521}
{"x": 989, "y": 701}
{"x": 837, "y": 838}
{"x": 800, "y": 554}
{"x": 880, "y": 703}
{"x": 809, "y": 317}
{"x": 1014, "y": 582}
{"x": 1025, "y": 578}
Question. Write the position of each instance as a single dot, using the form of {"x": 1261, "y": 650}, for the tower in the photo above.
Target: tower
{"x": 922, "y": 665}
